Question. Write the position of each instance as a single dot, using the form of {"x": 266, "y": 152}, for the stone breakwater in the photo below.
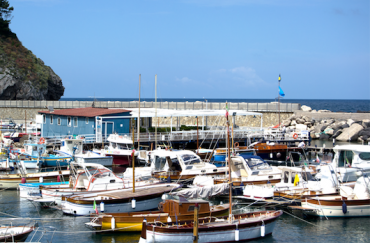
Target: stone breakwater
{"x": 331, "y": 125}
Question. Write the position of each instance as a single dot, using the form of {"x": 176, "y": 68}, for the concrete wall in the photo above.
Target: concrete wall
{"x": 269, "y": 118}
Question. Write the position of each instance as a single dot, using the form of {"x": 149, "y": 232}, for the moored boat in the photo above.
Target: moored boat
{"x": 170, "y": 211}
{"x": 240, "y": 227}
{"x": 123, "y": 200}
{"x": 15, "y": 233}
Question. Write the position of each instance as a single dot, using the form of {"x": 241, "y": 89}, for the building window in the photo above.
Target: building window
{"x": 69, "y": 121}
{"x": 51, "y": 119}
{"x": 59, "y": 121}
{"x": 75, "y": 121}
{"x": 44, "y": 117}
{"x": 87, "y": 120}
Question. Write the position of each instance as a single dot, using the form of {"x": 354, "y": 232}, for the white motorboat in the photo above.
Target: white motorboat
{"x": 74, "y": 147}
{"x": 120, "y": 148}
{"x": 351, "y": 161}
{"x": 91, "y": 178}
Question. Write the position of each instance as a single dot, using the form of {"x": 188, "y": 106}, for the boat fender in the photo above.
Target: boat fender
{"x": 23, "y": 180}
{"x": 102, "y": 207}
{"x": 271, "y": 155}
{"x": 58, "y": 178}
{"x": 169, "y": 220}
{"x": 237, "y": 234}
{"x": 113, "y": 223}
{"x": 278, "y": 155}
{"x": 41, "y": 179}
{"x": 169, "y": 179}
{"x": 344, "y": 207}
{"x": 133, "y": 203}
{"x": 263, "y": 229}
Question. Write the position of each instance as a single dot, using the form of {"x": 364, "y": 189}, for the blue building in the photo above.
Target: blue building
{"x": 84, "y": 121}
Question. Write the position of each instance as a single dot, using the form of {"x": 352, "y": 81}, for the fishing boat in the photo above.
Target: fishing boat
{"x": 73, "y": 147}
{"x": 15, "y": 233}
{"x": 36, "y": 151}
{"x": 350, "y": 203}
{"x": 171, "y": 210}
{"x": 11, "y": 181}
{"x": 114, "y": 201}
{"x": 87, "y": 178}
{"x": 120, "y": 148}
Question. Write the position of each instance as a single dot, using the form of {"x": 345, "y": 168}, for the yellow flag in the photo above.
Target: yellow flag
{"x": 296, "y": 180}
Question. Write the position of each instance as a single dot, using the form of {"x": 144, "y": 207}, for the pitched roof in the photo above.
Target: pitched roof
{"x": 85, "y": 112}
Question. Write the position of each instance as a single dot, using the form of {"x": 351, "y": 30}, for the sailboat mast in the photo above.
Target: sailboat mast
{"x": 155, "y": 147}
{"x": 138, "y": 119}
{"x": 229, "y": 164}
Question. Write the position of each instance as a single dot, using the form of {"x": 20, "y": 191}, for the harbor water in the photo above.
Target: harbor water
{"x": 58, "y": 228}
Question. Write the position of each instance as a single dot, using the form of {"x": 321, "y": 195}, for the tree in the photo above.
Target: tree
{"x": 5, "y": 11}
{"x": 5, "y": 17}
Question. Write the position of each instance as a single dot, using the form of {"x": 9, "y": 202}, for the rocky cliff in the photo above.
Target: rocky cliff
{"x": 23, "y": 76}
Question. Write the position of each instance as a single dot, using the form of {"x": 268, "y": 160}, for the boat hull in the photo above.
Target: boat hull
{"x": 328, "y": 208}
{"x": 212, "y": 232}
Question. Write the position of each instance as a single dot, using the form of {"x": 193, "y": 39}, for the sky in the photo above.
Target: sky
{"x": 201, "y": 48}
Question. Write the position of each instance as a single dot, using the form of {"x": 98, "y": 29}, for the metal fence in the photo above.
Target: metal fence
{"x": 258, "y": 107}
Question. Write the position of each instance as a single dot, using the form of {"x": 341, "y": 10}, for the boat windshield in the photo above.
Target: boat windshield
{"x": 190, "y": 159}
{"x": 122, "y": 146}
{"x": 159, "y": 163}
{"x": 257, "y": 164}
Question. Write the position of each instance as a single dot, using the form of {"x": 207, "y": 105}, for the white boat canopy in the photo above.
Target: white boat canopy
{"x": 151, "y": 112}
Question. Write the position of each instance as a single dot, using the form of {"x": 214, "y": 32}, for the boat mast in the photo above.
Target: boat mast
{"x": 138, "y": 119}
{"x": 279, "y": 100}
{"x": 229, "y": 164}
{"x": 155, "y": 147}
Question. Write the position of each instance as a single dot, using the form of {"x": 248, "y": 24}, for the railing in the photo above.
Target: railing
{"x": 163, "y": 137}
{"x": 198, "y": 105}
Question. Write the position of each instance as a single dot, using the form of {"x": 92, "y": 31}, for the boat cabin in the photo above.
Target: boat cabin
{"x": 351, "y": 160}
{"x": 183, "y": 206}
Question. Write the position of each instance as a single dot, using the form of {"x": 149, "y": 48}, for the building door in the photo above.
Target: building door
{"x": 108, "y": 128}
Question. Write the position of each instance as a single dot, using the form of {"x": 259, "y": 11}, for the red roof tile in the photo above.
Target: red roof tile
{"x": 85, "y": 112}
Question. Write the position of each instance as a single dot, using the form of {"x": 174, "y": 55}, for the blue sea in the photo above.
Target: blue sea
{"x": 351, "y": 106}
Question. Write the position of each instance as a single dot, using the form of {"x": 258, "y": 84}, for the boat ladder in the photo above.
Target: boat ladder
{"x": 93, "y": 223}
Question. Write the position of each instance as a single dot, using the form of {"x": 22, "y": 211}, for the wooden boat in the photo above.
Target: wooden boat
{"x": 170, "y": 211}
{"x": 11, "y": 181}
{"x": 123, "y": 200}
{"x": 241, "y": 227}
{"x": 272, "y": 151}
{"x": 350, "y": 203}
{"x": 15, "y": 233}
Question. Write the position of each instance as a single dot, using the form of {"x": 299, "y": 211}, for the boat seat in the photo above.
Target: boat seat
{"x": 243, "y": 173}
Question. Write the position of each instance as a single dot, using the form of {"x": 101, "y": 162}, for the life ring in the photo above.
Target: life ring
{"x": 236, "y": 144}
{"x": 41, "y": 140}
{"x": 295, "y": 135}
